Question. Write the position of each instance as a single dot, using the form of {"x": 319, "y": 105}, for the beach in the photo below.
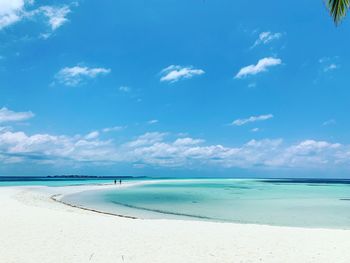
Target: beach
{"x": 36, "y": 228}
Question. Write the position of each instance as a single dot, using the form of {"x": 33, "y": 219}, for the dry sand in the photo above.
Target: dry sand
{"x": 34, "y": 228}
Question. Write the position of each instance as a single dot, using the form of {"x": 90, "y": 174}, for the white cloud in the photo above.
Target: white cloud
{"x": 312, "y": 145}
{"x": 262, "y": 153}
{"x": 115, "y": 128}
{"x": 187, "y": 141}
{"x": 75, "y": 75}
{"x": 311, "y": 153}
{"x": 46, "y": 148}
{"x": 56, "y": 15}
{"x": 92, "y": 135}
{"x": 156, "y": 149}
{"x": 174, "y": 73}
{"x": 266, "y": 37}
{"x": 7, "y": 115}
{"x": 152, "y": 121}
{"x": 330, "y": 67}
{"x": 255, "y": 130}
{"x": 148, "y": 138}
{"x": 13, "y": 11}
{"x": 240, "y": 122}
{"x": 164, "y": 150}
{"x": 262, "y": 65}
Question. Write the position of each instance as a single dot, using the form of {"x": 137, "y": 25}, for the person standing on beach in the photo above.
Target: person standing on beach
{"x": 120, "y": 182}
{"x": 115, "y": 181}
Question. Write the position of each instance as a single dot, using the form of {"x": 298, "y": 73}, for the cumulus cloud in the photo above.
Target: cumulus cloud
{"x": 162, "y": 150}
{"x": 175, "y": 73}
{"x": 20, "y": 147}
{"x": 13, "y": 11}
{"x": 311, "y": 153}
{"x": 7, "y": 115}
{"x": 266, "y": 37}
{"x": 262, "y": 65}
{"x": 240, "y": 122}
{"x": 73, "y": 76}
{"x": 255, "y": 153}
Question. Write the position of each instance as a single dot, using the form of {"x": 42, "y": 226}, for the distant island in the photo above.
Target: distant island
{"x": 67, "y": 177}
{"x": 93, "y": 176}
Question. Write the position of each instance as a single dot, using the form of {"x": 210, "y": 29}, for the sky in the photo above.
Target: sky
{"x": 173, "y": 88}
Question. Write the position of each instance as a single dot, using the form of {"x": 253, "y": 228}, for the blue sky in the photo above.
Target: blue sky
{"x": 230, "y": 88}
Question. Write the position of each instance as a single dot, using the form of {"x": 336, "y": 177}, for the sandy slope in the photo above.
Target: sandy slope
{"x": 34, "y": 228}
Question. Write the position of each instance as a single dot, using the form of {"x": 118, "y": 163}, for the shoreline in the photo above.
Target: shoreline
{"x": 44, "y": 230}
{"x": 53, "y": 197}
{"x": 59, "y": 196}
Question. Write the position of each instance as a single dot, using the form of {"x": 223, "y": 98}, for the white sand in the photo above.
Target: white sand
{"x": 35, "y": 229}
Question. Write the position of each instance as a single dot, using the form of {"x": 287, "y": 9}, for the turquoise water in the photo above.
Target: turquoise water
{"x": 285, "y": 203}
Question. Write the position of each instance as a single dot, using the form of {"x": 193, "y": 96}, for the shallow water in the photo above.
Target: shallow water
{"x": 272, "y": 202}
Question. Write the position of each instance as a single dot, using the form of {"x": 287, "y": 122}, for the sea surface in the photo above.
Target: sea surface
{"x": 53, "y": 181}
{"x": 293, "y": 202}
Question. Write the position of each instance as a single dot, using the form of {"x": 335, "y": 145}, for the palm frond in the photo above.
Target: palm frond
{"x": 338, "y": 9}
